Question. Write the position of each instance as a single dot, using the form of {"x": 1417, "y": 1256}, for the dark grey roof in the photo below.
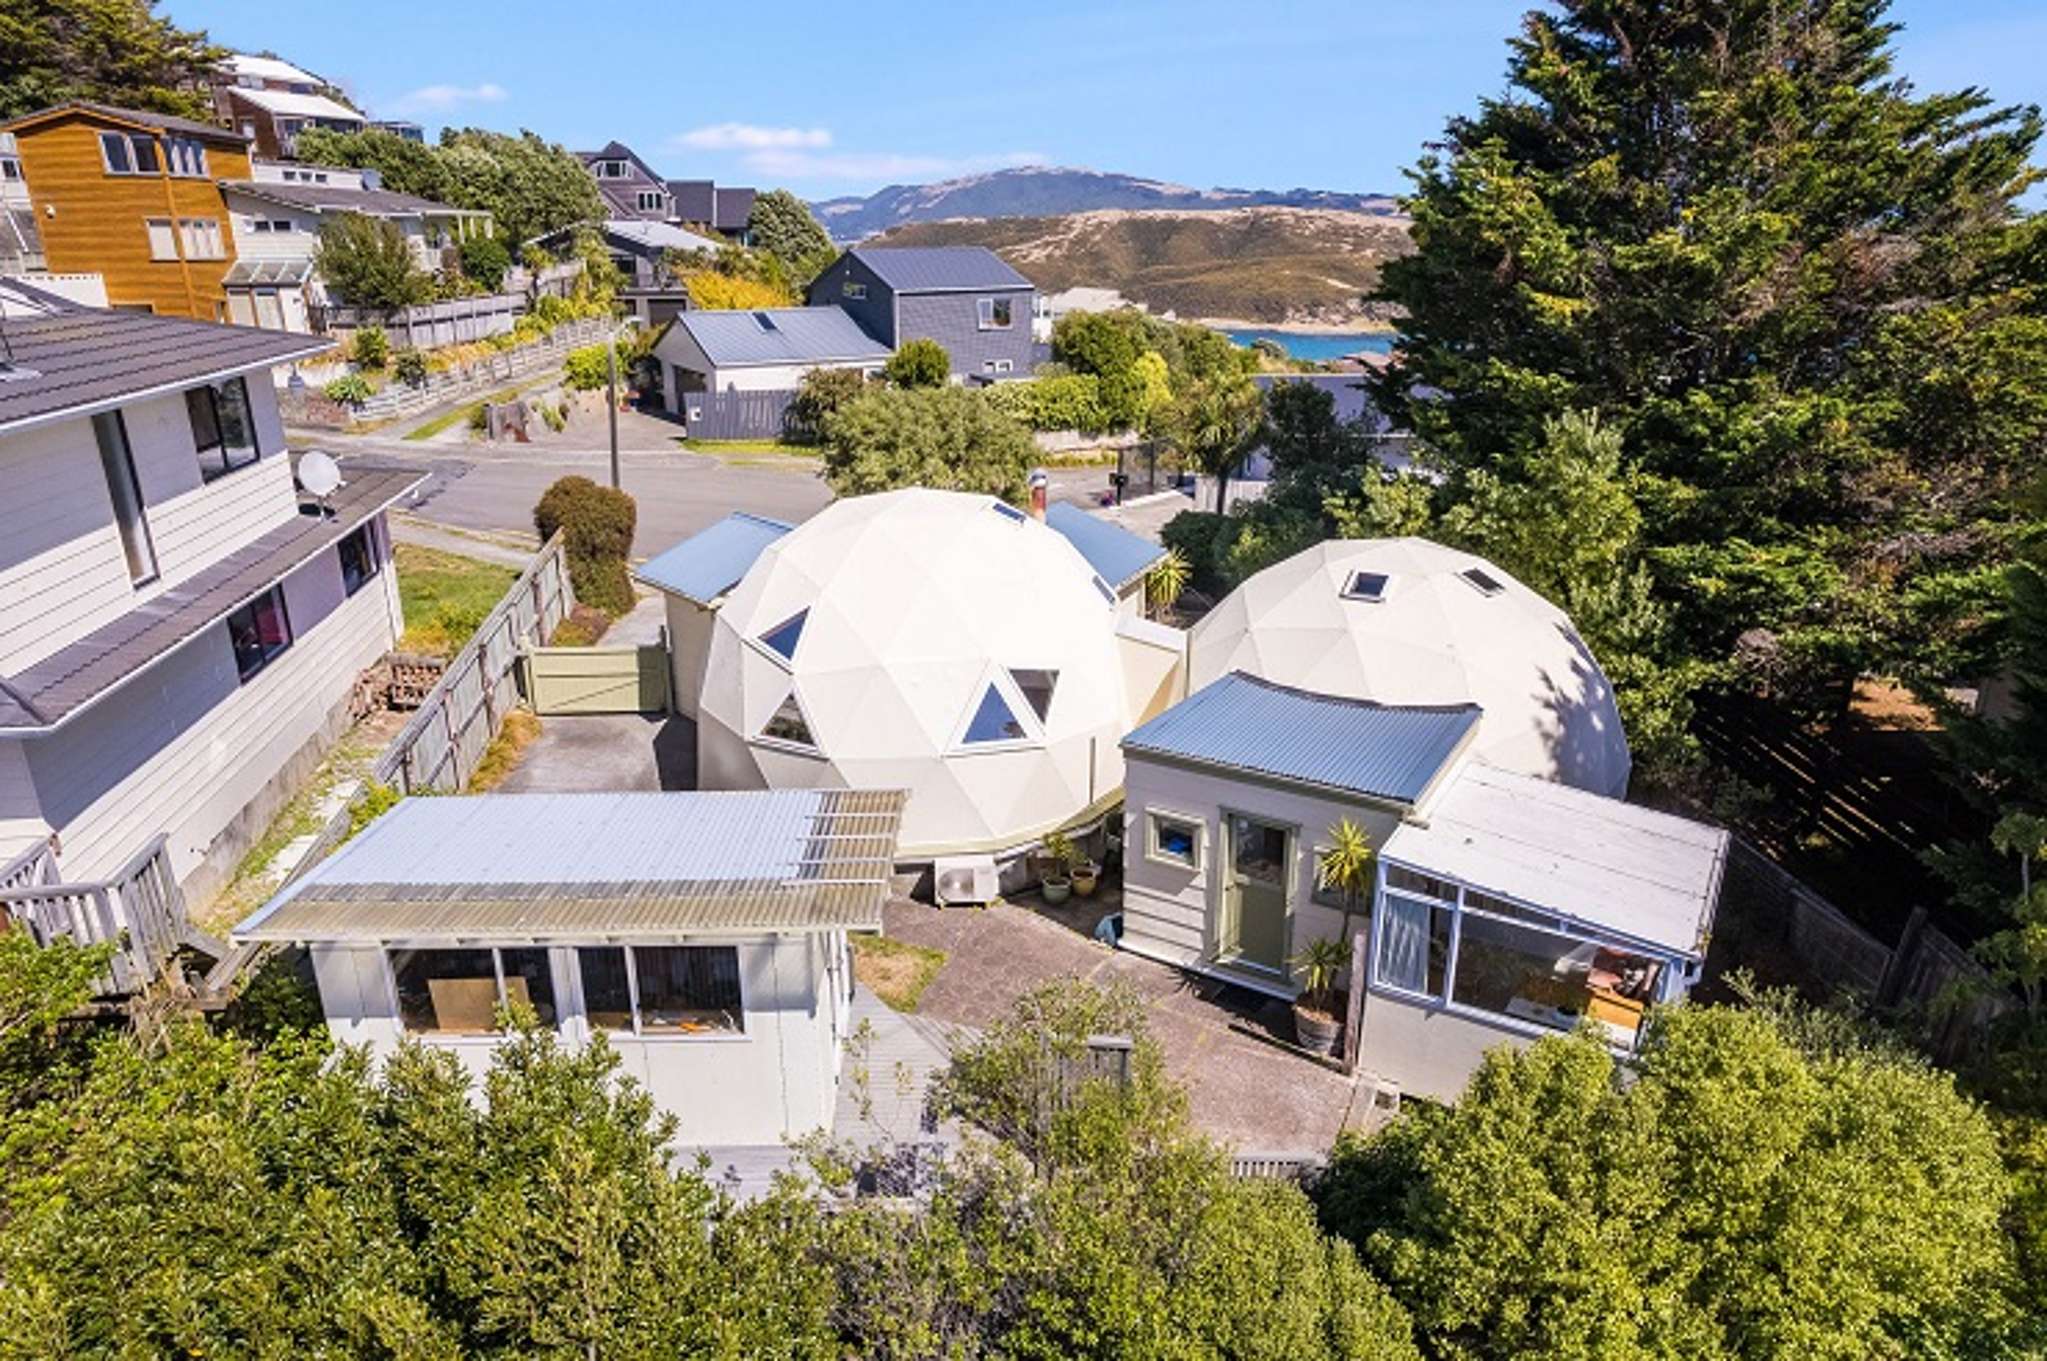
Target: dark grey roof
{"x": 791, "y": 335}
{"x": 165, "y": 121}
{"x": 329, "y": 198}
{"x": 600, "y": 866}
{"x": 695, "y": 200}
{"x": 939, "y": 269}
{"x": 77, "y": 674}
{"x": 91, "y": 357}
{"x": 731, "y": 210}
{"x": 1352, "y": 746}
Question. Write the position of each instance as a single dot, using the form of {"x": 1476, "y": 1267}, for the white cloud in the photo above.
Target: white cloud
{"x": 752, "y": 137}
{"x": 878, "y": 165}
{"x": 432, "y": 98}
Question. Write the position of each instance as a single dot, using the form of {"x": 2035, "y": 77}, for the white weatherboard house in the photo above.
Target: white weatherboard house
{"x": 180, "y": 630}
{"x": 1506, "y": 904}
{"x": 940, "y": 642}
{"x": 702, "y": 934}
{"x": 761, "y": 351}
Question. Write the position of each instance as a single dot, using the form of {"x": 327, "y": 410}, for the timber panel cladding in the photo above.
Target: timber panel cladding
{"x": 953, "y": 320}
{"x": 97, "y": 226}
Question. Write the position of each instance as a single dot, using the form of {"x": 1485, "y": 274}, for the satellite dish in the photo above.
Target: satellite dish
{"x": 320, "y": 475}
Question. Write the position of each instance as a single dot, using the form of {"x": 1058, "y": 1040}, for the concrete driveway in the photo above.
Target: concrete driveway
{"x": 1243, "y": 1091}
{"x": 603, "y": 753}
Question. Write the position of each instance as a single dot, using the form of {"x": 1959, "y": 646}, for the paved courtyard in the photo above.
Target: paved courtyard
{"x": 1243, "y": 1090}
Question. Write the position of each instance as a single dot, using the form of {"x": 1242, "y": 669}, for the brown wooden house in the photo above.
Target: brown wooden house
{"x": 134, "y": 197}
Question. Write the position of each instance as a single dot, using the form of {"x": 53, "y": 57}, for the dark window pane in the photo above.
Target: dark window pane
{"x": 199, "y": 405}
{"x": 453, "y": 992}
{"x": 223, "y": 431}
{"x": 783, "y": 637}
{"x": 259, "y": 630}
{"x": 528, "y": 979}
{"x": 688, "y": 989}
{"x": 145, "y": 153}
{"x": 789, "y": 725}
{"x": 1550, "y": 979}
{"x": 358, "y": 560}
{"x": 607, "y": 998}
{"x": 115, "y": 146}
{"x": 993, "y": 722}
{"x": 1037, "y": 688}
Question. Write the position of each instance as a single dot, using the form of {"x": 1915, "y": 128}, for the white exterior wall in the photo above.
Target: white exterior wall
{"x": 62, "y": 573}
{"x": 778, "y": 1079}
{"x": 689, "y": 647}
{"x": 1172, "y": 914}
{"x": 21, "y": 812}
{"x": 184, "y": 746}
{"x": 250, "y": 244}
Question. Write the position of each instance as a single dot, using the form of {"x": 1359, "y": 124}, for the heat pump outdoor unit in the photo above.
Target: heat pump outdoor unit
{"x": 963, "y": 879}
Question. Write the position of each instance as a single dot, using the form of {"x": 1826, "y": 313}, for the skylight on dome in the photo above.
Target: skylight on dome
{"x": 783, "y": 637}
{"x": 1008, "y": 512}
{"x": 1484, "y": 581}
{"x": 1366, "y": 586}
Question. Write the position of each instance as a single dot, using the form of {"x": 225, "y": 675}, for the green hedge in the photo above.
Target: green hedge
{"x": 597, "y": 526}
{"x": 1071, "y": 401}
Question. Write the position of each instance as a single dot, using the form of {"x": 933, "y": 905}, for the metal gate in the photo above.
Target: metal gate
{"x": 597, "y": 680}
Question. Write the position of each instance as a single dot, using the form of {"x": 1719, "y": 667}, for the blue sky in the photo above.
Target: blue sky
{"x": 833, "y": 98}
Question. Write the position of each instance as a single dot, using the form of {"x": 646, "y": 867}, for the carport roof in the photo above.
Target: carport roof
{"x": 599, "y": 867}
{"x": 707, "y": 564}
{"x": 1391, "y": 753}
{"x": 1118, "y": 556}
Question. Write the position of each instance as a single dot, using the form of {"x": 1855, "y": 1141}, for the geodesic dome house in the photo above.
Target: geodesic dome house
{"x": 1410, "y": 622}
{"x": 939, "y": 642}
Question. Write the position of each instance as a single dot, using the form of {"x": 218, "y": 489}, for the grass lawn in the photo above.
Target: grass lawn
{"x": 463, "y": 413}
{"x": 895, "y": 971}
{"x": 722, "y": 447}
{"x": 446, "y": 597}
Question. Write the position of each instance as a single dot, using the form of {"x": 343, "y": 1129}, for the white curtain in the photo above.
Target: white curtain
{"x": 1404, "y": 943}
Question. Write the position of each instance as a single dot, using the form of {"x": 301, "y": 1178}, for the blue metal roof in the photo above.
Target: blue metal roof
{"x": 1118, "y": 556}
{"x": 782, "y": 335}
{"x": 923, "y": 269}
{"x": 709, "y": 563}
{"x": 1380, "y": 751}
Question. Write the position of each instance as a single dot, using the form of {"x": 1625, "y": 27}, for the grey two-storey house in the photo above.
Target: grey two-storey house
{"x": 964, "y": 297}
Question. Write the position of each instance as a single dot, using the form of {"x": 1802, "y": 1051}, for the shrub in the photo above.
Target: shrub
{"x": 919, "y": 363}
{"x": 1070, "y": 401}
{"x": 553, "y": 417}
{"x": 367, "y": 263}
{"x": 371, "y": 348}
{"x": 947, "y": 437}
{"x": 409, "y": 367}
{"x": 584, "y": 369}
{"x": 596, "y": 524}
{"x": 479, "y": 417}
{"x": 818, "y": 398}
{"x": 1193, "y": 534}
{"x": 485, "y": 259}
{"x": 348, "y": 389}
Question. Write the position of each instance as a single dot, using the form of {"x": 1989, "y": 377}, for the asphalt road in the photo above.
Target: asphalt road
{"x": 492, "y": 489}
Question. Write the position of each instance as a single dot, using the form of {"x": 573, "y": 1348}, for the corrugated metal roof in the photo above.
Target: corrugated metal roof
{"x": 578, "y": 866}
{"x": 938, "y": 269}
{"x": 88, "y": 357}
{"x": 292, "y": 104}
{"x": 657, "y": 235}
{"x": 79, "y": 673}
{"x": 268, "y": 272}
{"x": 1118, "y": 556}
{"x": 1380, "y": 751}
{"x": 1649, "y": 876}
{"x": 793, "y": 335}
{"x": 707, "y": 564}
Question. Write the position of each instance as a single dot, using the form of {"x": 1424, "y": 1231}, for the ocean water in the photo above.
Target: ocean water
{"x": 1315, "y": 346}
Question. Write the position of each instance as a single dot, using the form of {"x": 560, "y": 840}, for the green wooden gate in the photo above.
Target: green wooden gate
{"x": 597, "y": 680}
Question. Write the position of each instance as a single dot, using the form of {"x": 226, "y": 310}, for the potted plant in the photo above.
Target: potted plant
{"x": 1087, "y": 875}
{"x": 1055, "y": 879}
{"x": 1316, "y": 1024}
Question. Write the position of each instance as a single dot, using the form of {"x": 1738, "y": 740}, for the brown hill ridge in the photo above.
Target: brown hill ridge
{"x": 1266, "y": 266}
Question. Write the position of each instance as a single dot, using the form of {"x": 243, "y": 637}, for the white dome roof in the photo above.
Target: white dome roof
{"x": 1434, "y": 636}
{"x": 933, "y": 626}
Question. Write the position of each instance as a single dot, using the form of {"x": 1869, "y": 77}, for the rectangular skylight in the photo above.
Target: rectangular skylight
{"x": 1485, "y": 581}
{"x": 764, "y": 321}
{"x": 1009, "y": 512}
{"x": 1366, "y": 586}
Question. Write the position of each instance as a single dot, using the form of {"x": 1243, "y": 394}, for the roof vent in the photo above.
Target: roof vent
{"x": 1366, "y": 586}
{"x": 1485, "y": 582}
{"x": 764, "y": 321}
{"x": 15, "y": 373}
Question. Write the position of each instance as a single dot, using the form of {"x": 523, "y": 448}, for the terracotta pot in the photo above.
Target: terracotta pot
{"x": 1316, "y": 1031}
{"x": 1086, "y": 879}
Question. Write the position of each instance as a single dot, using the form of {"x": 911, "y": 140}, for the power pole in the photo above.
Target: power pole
{"x": 611, "y": 405}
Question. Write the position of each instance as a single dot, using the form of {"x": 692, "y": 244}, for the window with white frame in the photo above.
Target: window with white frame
{"x": 223, "y": 431}
{"x": 1483, "y": 953}
{"x": 1172, "y": 840}
{"x": 10, "y": 168}
{"x": 461, "y": 991}
{"x": 994, "y": 313}
{"x": 854, "y": 290}
{"x": 662, "y": 990}
{"x": 128, "y": 153}
{"x": 650, "y": 200}
{"x": 163, "y": 242}
{"x": 187, "y": 157}
{"x": 203, "y": 239}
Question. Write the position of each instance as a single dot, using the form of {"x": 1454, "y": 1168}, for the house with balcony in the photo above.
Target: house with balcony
{"x": 181, "y": 629}
{"x": 967, "y": 298}
{"x": 634, "y": 191}
{"x": 134, "y": 197}
{"x": 277, "y": 214}
{"x": 270, "y": 102}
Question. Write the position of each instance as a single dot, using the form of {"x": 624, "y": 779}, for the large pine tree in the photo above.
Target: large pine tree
{"x": 1804, "y": 294}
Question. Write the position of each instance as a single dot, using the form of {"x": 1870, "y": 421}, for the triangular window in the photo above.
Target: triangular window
{"x": 1036, "y": 687}
{"x": 993, "y": 721}
{"x": 789, "y": 725}
{"x": 782, "y": 638}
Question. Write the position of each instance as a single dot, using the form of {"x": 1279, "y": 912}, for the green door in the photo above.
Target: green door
{"x": 1255, "y": 893}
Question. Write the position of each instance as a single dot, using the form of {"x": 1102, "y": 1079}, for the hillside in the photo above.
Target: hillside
{"x": 1261, "y": 265}
{"x": 1052, "y": 191}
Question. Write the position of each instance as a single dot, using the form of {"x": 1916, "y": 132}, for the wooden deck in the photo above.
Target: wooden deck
{"x": 139, "y": 907}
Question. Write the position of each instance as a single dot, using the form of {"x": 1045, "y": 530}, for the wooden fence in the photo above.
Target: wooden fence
{"x": 139, "y": 906}
{"x": 429, "y": 324}
{"x": 737, "y": 415}
{"x": 439, "y": 749}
